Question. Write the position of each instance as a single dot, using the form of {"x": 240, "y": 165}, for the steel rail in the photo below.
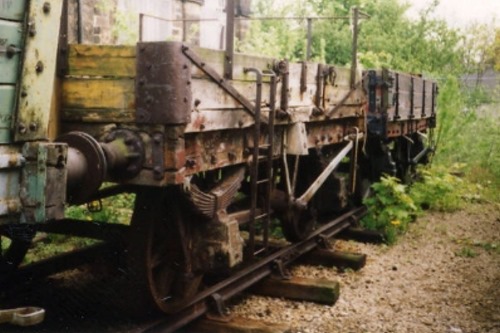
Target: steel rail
{"x": 252, "y": 274}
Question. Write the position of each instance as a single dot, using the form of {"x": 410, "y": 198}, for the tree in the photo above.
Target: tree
{"x": 388, "y": 38}
{"x": 479, "y": 46}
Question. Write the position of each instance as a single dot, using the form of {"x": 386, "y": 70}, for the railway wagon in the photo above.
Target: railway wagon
{"x": 217, "y": 147}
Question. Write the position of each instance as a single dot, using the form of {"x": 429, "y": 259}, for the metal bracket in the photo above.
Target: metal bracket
{"x": 303, "y": 77}
{"x": 163, "y": 84}
{"x": 218, "y": 309}
{"x": 324, "y": 242}
{"x": 395, "y": 98}
{"x": 279, "y": 268}
{"x": 39, "y": 66}
{"x": 281, "y": 68}
{"x": 157, "y": 155}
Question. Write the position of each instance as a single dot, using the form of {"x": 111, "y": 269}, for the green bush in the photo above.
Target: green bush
{"x": 393, "y": 205}
{"x": 440, "y": 190}
{"x": 390, "y": 209}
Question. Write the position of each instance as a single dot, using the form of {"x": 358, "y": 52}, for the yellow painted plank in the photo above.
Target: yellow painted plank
{"x": 119, "y": 61}
{"x": 98, "y": 115}
{"x": 98, "y": 94}
{"x": 102, "y": 60}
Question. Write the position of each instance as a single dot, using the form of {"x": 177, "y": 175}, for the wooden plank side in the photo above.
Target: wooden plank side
{"x": 98, "y": 115}
{"x": 98, "y": 94}
{"x": 119, "y": 61}
{"x": 101, "y": 60}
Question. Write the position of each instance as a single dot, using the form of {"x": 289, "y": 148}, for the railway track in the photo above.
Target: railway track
{"x": 94, "y": 297}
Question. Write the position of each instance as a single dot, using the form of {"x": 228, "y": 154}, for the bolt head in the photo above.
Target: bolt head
{"x": 46, "y": 7}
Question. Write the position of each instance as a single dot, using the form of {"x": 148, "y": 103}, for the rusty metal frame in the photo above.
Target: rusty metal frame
{"x": 229, "y": 56}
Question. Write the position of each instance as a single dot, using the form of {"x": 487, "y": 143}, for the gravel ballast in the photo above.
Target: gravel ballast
{"x": 442, "y": 276}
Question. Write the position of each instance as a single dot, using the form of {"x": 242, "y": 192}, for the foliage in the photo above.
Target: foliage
{"x": 468, "y": 134}
{"x": 125, "y": 27}
{"x": 49, "y": 245}
{"x": 440, "y": 190}
{"x": 496, "y": 49}
{"x": 479, "y": 48}
{"x": 394, "y": 205}
{"x": 470, "y": 248}
{"x": 466, "y": 252}
{"x": 390, "y": 209}
{"x": 117, "y": 209}
{"x": 388, "y": 38}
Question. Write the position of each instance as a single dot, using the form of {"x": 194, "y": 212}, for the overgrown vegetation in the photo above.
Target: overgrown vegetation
{"x": 390, "y": 209}
{"x": 394, "y": 205}
{"x": 117, "y": 209}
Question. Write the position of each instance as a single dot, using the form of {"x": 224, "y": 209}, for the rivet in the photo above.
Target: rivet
{"x": 46, "y": 7}
{"x": 157, "y": 139}
{"x": 21, "y": 128}
{"x": 197, "y": 102}
{"x": 31, "y": 29}
{"x": 24, "y": 93}
{"x": 33, "y": 127}
{"x": 39, "y": 67}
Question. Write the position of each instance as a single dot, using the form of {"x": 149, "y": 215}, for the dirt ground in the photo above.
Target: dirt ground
{"x": 442, "y": 276}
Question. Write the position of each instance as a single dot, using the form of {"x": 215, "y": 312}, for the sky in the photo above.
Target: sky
{"x": 460, "y": 13}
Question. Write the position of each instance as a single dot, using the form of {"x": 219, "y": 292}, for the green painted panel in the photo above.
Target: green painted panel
{"x": 7, "y": 98}
{"x": 11, "y": 34}
{"x": 12, "y": 9}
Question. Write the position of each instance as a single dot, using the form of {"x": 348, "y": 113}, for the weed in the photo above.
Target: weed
{"x": 440, "y": 190}
{"x": 390, "y": 209}
{"x": 394, "y": 205}
{"x": 466, "y": 252}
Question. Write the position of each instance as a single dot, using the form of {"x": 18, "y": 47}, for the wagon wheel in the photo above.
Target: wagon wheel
{"x": 297, "y": 222}
{"x": 405, "y": 150}
{"x": 159, "y": 260}
{"x": 15, "y": 240}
